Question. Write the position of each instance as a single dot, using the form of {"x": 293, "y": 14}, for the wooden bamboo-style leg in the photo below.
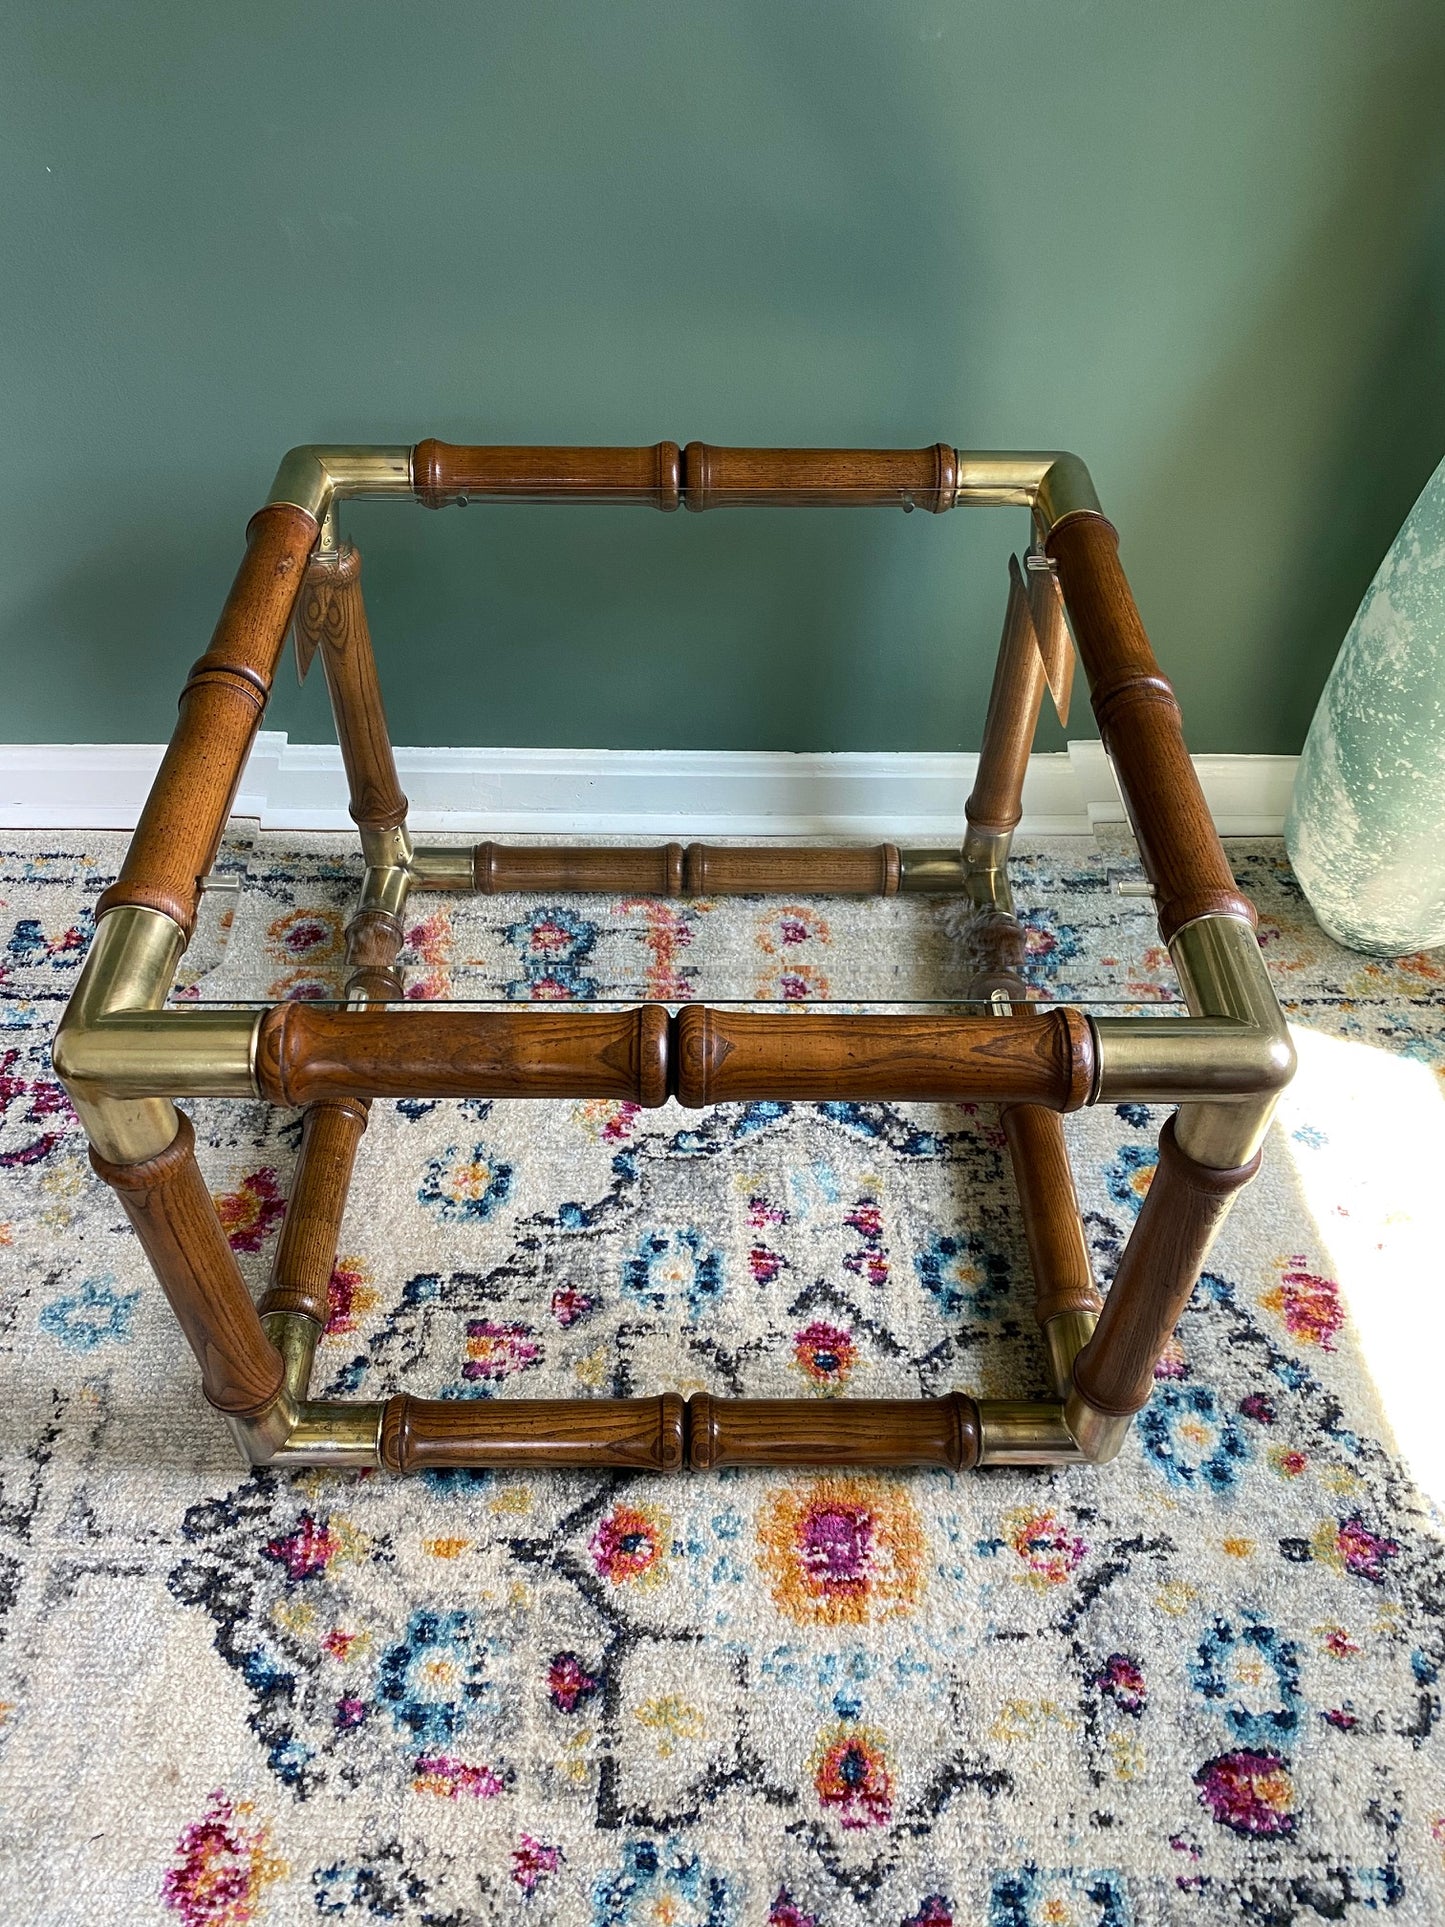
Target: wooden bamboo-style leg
{"x": 1185, "y": 1206}
{"x": 330, "y": 1134}
{"x": 373, "y": 943}
{"x": 1066, "y": 1299}
{"x": 221, "y": 706}
{"x": 331, "y": 618}
{"x": 167, "y": 1202}
{"x": 996, "y": 803}
{"x": 306, "y": 1253}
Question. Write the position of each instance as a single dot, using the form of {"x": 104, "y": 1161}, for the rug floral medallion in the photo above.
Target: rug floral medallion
{"x": 1198, "y": 1685}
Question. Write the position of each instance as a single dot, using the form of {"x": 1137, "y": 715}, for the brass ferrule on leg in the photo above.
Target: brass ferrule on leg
{"x": 388, "y": 849}
{"x": 982, "y": 875}
{"x": 436, "y": 866}
{"x": 385, "y": 890}
{"x": 1022, "y": 1431}
{"x": 986, "y": 850}
{"x": 294, "y": 1336}
{"x": 1065, "y": 1335}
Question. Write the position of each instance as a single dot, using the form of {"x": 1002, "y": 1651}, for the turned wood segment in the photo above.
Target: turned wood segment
{"x": 180, "y": 828}
{"x": 810, "y": 1056}
{"x": 1182, "y": 1211}
{"x": 924, "y": 478}
{"x": 443, "y": 472}
{"x": 306, "y": 1253}
{"x": 702, "y": 869}
{"x": 1058, "y": 1256}
{"x": 720, "y": 870}
{"x": 883, "y": 1432}
{"x": 995, "y": 943}
{"x": 167, "y": 1202}
{"x": 996, "y": 802}
{"x": 703, "y": 476}
{"x": 643, "y": 873}
{"x": 307, "y": 1052}
{"x": 373, "y": 941}
{"x": 331, "y": 617}
{"x": 1139, "y": 721}
{"x": 630, "y": 1434}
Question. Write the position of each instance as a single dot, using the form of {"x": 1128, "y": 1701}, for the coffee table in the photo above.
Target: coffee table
{"x": 993, "y": 1026}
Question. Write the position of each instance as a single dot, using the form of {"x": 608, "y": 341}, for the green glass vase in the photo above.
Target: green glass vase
{"x": 1366, "y": 825}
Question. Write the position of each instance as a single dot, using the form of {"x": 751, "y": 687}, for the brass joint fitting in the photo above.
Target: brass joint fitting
{"x": 1052, "y": 485}
{"x": 1226, "y": 1064}
{"x": 388, "y": 849}
{"x": 1023, "y": 1431}
{"x": 384, "y": 890}
{"x": 1098, "y": 1435}
{"x": 1065, "y": 1335}
{"x": 122, "y": 1057}
{"x": 295, "y": 1430}
{"x": 941, "y": 871}
{"x": 313, "y": 476}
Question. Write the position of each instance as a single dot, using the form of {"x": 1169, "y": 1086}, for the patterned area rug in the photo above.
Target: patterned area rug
{"x": 1198, "y": 1685}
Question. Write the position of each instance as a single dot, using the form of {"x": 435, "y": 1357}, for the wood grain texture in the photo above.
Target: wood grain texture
{"x": 167, "y": 1202}
{"x": 331, "y": 619}
{"x": 1139, "y": 721}
{"x": 373, "y": 942}
{"x": 1182, "y": 1211}
{"x": 721, "y": 870}
{"x": 180, "y": 828}
{"x": 702, "y": 869}
{"x": 925, "y": 478}
{"x": 306, "y": 1053}
{"x": 444, "y": 473}
{"x": 993, "y": 945}
{"x": 627, "y": 1434}
{"x": 996, "y": 800}
{"x": 1049, "y": 1207}
{"x": 812, "y": 1056}
{"x": 703, "y": 476}
{"x": 655, "y": 872}
{"x": 887, "y": 1433}
{"x": 306, "y": 1252}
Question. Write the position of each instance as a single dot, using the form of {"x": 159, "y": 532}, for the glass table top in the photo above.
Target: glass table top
{"x": 272, "y": 924}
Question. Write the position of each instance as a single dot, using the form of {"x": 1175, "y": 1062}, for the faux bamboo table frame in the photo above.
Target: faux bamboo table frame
{"x": 124, "y": 1057}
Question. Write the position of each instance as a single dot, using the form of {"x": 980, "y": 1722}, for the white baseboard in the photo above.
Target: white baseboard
{"x": 683, "y": 793}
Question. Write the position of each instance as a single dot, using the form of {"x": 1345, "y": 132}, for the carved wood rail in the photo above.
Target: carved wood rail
{"x": 665, "y": 1433}
{"x": 309, "y": 1053}
{"x": 699, "y": 476}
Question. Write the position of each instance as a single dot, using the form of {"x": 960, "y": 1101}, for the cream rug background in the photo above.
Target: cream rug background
{"x": 1200, "y": 1685}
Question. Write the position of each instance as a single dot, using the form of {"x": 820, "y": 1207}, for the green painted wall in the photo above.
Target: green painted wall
{"x": 1200, "y": 244}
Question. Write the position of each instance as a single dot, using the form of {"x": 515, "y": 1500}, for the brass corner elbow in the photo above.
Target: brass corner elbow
{"x": 1065, "y": 488}
{"x": 314, "y": 475}
{"x": 1052, "y": 484}
{"x": 296, "y": 1430}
